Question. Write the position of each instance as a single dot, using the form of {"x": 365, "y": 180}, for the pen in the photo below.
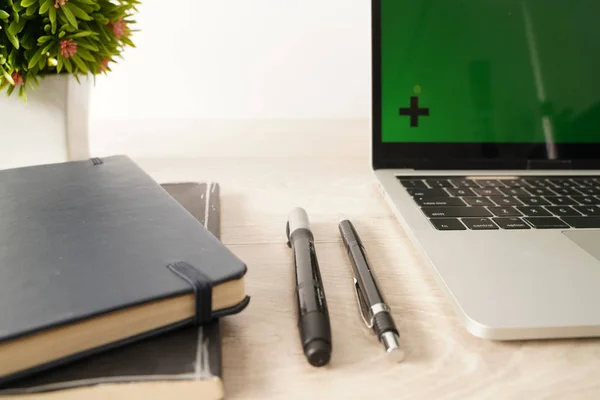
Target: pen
{"x": 313, "y": 316}
{"x": 369, "y": 297}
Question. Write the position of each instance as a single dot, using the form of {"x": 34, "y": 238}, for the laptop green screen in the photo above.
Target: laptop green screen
{"x": 490, "y": 71}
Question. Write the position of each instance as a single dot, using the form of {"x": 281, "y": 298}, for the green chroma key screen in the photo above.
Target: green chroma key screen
{"x": 490, "y": 71}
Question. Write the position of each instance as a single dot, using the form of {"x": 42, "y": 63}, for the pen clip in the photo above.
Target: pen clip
{"x": 361, "y": 306}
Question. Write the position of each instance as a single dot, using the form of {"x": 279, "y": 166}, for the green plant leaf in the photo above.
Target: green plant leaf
{"x": 10, "y": 90}
{"x": 52, "y": 16}
{"x": 4, "y": 15}
{"x": 86, "y": 55}
{"x": 89, "y": 46}
{"x": 70, "y": 17}
{"x": 59, "y": 66}
{"x": 127, "y": 41}
{"x": 31, "y": 10}
{"x": 12, "y": 57}
{"x": 43, "y": 39}
{"x": 77, "y": 12}
{"x": 43, "y": 60}
{"x": 81, "y": 34}
{"x": 28, "y": 41}
{"x": 79, "y": 62}
{"x": 27, "y": 3}
{"x": 23, "y": 94}
{"x": 45, "y": 6}
{"x": 36, "y": 57}
{"x": 7, "y": 76}
{"x": 12, "y": 38}
{"x": 47, "y": 47}
{"x": 68, "y": 65}
{"x": 16, "y": 26}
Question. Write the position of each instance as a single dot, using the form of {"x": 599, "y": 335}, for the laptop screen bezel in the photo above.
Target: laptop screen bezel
{"x": 463, "y": 155}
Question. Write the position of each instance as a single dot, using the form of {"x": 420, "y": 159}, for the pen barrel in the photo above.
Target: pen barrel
{"x": 383, "y": 322}
{"x": 313, "y": 316}
{"x": 309, "y": 286}
{"x": 349, "y": 234}
{"x": 315, "y": 333}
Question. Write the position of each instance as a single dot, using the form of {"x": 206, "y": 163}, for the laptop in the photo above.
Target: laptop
{"x": 486, "y": 145}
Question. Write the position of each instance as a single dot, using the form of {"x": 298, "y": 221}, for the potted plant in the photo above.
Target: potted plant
{"x": 49, "y": 49}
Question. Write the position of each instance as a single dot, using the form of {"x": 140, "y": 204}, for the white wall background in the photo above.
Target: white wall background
{"x": 213, "y": 67}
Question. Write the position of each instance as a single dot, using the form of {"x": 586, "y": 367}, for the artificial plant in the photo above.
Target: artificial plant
{"x": 41, "y": 37}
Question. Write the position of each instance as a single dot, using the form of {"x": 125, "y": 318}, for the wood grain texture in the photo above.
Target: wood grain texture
{"x": 262, "y": 354}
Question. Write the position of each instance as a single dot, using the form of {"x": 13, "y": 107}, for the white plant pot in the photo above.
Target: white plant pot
{"x": 51, "y": 127}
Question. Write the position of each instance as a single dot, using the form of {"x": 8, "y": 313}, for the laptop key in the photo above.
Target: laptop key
{"x": 583, "y": 222}
{"x": 540, "y": 192}
{"x": 546, "y": 223}
{"x": 487, "y": 191}
{"x": 514, "y": 192}
{"x": 448, "y": 224}
{"x": 427, "y": 192}
{"x": 478, "y": 201}
{"x": 515, "y": 183}
{"x": 444, "y": 212}
{"x": 589, "y": 190}
{"x": 490, "y": 183}
{"x": 570, "y": 191}
{"x": 561, "y": 200}
{"x": 439, "y": 201}
{"x": 537, "y": 182}
{"x": 585, "y": 181}
{"x": 586, "y": 200}
{"x": 534, "y": 211}
{"x": 505, "y": 211}
{"x": 479, "y": 224}
{"x": 533, "y": 201}
{"x": 511, "y": 223}
{"x": 563, "y": 211}
{"x": 438, "y": 183}
{"x": 588, "y": 210}
{"x": 562, "y": 182}
{"x": 413, "y": 183}
{"x": 460, "y": 192}
{"x": 506, "y": 201}
{"x": 464, "y": 183}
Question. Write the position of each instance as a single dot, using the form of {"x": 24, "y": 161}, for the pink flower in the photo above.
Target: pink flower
{"x": 104, "y": 65}
{"x": 17, "y": 78}
{"x": 60, "y": 3}
{"x": 68, "y": 48}
{"x": 119, "y": 28}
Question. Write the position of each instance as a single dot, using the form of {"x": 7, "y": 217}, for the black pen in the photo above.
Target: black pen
{"x": 313, "y": 316}
{"x": 371, "y": 304}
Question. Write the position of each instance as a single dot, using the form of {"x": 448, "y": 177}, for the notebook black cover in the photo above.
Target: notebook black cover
{"x": 192, "y": 353}
{"x": 85, "y": 238}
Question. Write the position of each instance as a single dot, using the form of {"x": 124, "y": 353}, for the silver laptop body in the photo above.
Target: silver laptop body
{"x": 503, "y": 198}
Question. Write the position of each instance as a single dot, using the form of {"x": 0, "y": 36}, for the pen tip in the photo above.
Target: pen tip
{"x": 342, "y": 217}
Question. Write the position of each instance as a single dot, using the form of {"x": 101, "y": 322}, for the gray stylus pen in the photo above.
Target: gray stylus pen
{"x": 313, "y": 316}
{"x": 371, "y": 304}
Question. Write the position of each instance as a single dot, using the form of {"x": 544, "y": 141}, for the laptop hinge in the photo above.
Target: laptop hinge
{"x": 549, "y": 164}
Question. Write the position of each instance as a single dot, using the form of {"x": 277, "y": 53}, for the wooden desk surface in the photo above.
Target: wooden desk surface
{"x": 263, "y": 358}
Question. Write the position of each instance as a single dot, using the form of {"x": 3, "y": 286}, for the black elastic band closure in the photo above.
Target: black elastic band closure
{"x": 202, "y": 289}
{"x": 96, "y": 161}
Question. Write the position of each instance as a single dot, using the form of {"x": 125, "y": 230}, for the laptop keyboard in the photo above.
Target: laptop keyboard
{"x": 542, "y": 202}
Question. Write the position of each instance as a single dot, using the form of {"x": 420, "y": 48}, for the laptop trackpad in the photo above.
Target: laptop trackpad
{"x": 587, "y": 240}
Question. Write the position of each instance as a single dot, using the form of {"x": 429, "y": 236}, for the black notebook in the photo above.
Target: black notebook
{"x": 190, "y": 355}
{"x": 95, "y": 255}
